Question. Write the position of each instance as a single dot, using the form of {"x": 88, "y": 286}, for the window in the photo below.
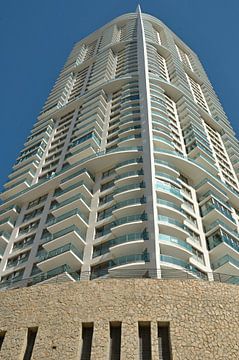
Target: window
{"x": 198, "y": 255}
{"x": 29, "y": 227}
{"x": 144, "y": 341}
{"x": 2, "y": 337}
{"x": 19, "y": 259}
{"x": 87, "y": 334}
{"x": 33, "y": 214}
{"x": 164, "y": 342}
{"x": 37, "y": 201}
{"x": 31, "y": 337}
{"x": 115, "y": 341}
{"x": 107, "y": 185}
{"x": 23, "y": 243}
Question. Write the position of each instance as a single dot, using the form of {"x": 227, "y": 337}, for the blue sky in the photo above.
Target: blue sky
{"x": 36, "y": 36}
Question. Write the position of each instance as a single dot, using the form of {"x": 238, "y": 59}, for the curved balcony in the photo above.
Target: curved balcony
{"x": 175, "y": 246}
{"x": 161, "y": 123}
{"x": 175, "y": 263}
{"x": 122, "y": 243}
{"x": 206, "y": 186}
{"x": 81, "y": 175}
{"x": 168, "y": 192}
{"x": 223, "y": 242}
{"x": 169, "y": 208}
{"x": 91, "y": 139}
{"x": 128, "y": 207}
{"x": 71, "y": 235}
{"x": 158, "y": 132}
{"x": 81, "y": 153}
{"x": 134, "y": 129}
{"x": 134, "y": 261}
{"x": 128, "y": 163}
{"x": 65, "y": 193}
{"x": 188, "y": 166}
{"x": 67, "y": 254}
{"x": 129, "y": 140}
{"x": 129, "y": 223}
{"x": 214, "y": 211}
{"x": 73, "y": 217}
{"x": 74, "y": 202}
{"x": 165, "y": 167}
{"x": 226, "y": 265}
{"x": 61, "y": 272}
{"x": 134, "y": 242}
{"x": 165, "y": 177}
{"x": 133, "y": 174}
{"x": 123, "y": 192}
{"x": 15, "y": 188}
{"x": 161, "y": 143}
{"x": 173, "y": 227}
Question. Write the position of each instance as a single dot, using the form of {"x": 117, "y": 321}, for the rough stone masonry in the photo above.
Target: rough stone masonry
{"x": 203, "y": 318}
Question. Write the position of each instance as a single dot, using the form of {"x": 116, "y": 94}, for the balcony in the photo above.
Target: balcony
{"x": 67, "y": 254}
{"x": 66, "y": 192}
{"x": 11, "y": 211}
{"x": 226, "y": 265}
{"x": 173, "y": 227}
{"x": 161, "y": 143}
{"x": 176, "y": 247}
{"x": 4, "y": 238}
{"x": 221, "y": 243}
{"x": 88, "y": 139}
{"x": 116, "y": 245}
{"x": 81, "y": 153}
{"x": 158, "y": 131}
{"x": 27, "y": 171}
{"x": 207, "y": 164}
{"x": 81, "y": 175}
{"x": 175, "y": 263}
{"x": 166, "y": 177}
{"x": 7, "y": 225}
{"x": 168, "y": 192}
{"x": 129, "y": 174}
{"x": 74, "y": 202}
{"x": 128, "y": 207}
{"x": 134, "y": 261}
{"x": 73, "y": 217}
{"x": 28, "y": 174}
{"x": 123, "y": 192}
{"x": 129, "y": 223}
{"x": 206, "y": 186}
{"x": 63, "y": 272}
{"x": 71, "y": 235}
{"x": 213, "y": 210}
{"x": 134, "y": 242}
{"x": 15, "y": 189}
{"x": 169, "y": 208}
{"x": 128, "y": 163}
{"x": 166, "y": 167}
{"x": 130, "y": 140}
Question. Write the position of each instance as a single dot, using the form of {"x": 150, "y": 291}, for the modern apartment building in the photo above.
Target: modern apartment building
{"x": 131, "y": 168}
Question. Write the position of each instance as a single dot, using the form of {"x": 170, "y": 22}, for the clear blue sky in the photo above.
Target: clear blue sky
{"x": 37, "y": 35}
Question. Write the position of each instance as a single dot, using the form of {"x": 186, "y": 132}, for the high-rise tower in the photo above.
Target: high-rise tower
{"x": 131, "y": 168}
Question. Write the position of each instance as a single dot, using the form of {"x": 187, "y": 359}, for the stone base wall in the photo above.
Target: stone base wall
{"x": 203, "y": 318}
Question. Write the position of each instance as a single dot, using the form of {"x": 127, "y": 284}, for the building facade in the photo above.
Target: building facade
{"x": 131, "y": 167}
